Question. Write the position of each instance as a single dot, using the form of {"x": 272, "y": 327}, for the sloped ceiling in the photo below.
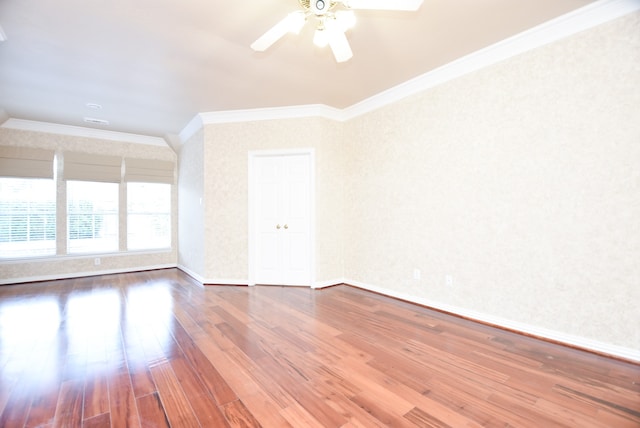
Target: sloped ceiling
{"x": 153, "y": 65}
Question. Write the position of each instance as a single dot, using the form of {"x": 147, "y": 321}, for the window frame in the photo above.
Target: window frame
{"x": 89, "y": 248}
{"x": 168, "y": 214}
{"x": 47, "y": 230}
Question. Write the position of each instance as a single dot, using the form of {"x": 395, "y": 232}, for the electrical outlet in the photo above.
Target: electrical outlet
{"x": 448, "y": 279}
{"x": 416, "y": 274}
{"x": 96, "y": 261}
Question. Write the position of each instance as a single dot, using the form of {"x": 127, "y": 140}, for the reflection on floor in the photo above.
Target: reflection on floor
{"x": 156, "y": 349}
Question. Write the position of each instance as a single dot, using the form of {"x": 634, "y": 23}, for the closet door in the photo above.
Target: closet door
{"x": 281, "y": 241}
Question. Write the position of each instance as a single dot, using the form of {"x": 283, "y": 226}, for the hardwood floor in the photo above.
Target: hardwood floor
{"x": 154, "y": 349}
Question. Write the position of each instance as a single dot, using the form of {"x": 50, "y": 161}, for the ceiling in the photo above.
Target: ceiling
{"x": 154, "y": 64}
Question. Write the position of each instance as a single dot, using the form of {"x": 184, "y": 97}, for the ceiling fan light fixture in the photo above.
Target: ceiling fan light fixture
{"x": 321, "y": 7}
{"x": 292, "y": 23}
{"x": 321, "y": 37}
{"x": 346, "y": 19}
{"x": 296, "y": 21}
{"x": 332, "y": 24}
{"x": 338, "y": 41}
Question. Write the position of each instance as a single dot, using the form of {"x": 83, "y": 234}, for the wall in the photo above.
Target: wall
{"x": 73, "y": 265}
{"x": 521, "y": 181}
{"x": 226, "y": 192}
{"x": 191, "y": 247}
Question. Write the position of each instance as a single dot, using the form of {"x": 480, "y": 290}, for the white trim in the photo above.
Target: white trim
{"x": 211, "y": 281}
{"x": 566, "y": 25}
{"x": 53, "y": 277}
{"x": 251, "y": 256}
{"x": 225, "y": 281}
{"x": 312, "y": 217}
{"x": 273, "y": 113}
{"x": 252, "y": 156}
{"x": 557, "y": 336}
{"x": 324, "y": 284}
{"x": 191, "y": 129}
{"x": 79, "y": 131}
{"x": 191, "y": 273}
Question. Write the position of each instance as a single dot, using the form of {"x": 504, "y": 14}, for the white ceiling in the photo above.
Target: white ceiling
{"x": 154, "y": 64}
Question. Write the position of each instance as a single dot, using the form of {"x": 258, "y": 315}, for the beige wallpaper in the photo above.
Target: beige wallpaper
{"x": 191, "y": 247}
{"x": 66, "y": 265}
{"x": 226, "y": 190}
{"x": 520, "y": 181}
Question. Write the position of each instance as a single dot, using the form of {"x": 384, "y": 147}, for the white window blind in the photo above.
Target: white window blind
{"x": 148, "y": 216}
{"x": 27, "y": 217}
{"x": 148, "y": 171}
{"x": 89, "y": 167}
{"x": 26, "y": 162}
{"x": 92, "y": 217}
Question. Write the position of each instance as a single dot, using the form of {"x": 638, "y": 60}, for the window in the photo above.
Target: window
{"x": 27, "y": 217}
{"x": 148, "y": 216}
{"x": 92, "y": 217}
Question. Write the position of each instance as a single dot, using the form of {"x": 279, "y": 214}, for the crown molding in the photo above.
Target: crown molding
{"x": 191, "y": 129}
{"x": 587, "y": 17}
{"x": 273, "y": 113}
{"x": 259, "y": 114}
{"x": 79, "y": 131}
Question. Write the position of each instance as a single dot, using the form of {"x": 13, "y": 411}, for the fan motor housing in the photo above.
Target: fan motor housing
{"x": 318, "y": 7}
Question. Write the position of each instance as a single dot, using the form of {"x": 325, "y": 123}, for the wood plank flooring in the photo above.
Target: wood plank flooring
{"x": 154, "y": 349}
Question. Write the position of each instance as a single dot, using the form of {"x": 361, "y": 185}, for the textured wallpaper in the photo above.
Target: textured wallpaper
{"x": 521, "y": 182}
{"x": 68, "y": 265}
{"x": 191, "y": 240}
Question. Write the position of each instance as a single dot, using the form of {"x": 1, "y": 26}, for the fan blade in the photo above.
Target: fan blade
{"x": 409, "y": 5}
{"x": 338, "y": 42}
{"x": 292, "y": 23}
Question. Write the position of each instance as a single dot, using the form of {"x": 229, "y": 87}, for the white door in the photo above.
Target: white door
{"x": 281, "y": 207}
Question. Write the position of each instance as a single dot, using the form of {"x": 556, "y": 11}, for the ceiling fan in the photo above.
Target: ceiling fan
{"x": 333, "y": 18}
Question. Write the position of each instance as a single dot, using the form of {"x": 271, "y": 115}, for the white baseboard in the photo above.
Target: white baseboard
{"x": 54, "y": 277}
{"x": 211, "y": 281}
{"x": 329, "y": 283}
{"x": 191, "y": 273}
{"x": 228, "y": 281}
{"x": 543, "y": 333}
{"x": 225, "y": 281}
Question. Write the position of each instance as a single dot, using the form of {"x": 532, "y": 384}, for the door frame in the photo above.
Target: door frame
{"x": 253, "y": 156}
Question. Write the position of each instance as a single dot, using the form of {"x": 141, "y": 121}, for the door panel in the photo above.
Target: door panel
{"x": 282, "y": 201}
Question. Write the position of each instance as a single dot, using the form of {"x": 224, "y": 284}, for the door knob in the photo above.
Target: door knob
{"x": 286, "y": 226}
{"x": 278, "y": 227}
